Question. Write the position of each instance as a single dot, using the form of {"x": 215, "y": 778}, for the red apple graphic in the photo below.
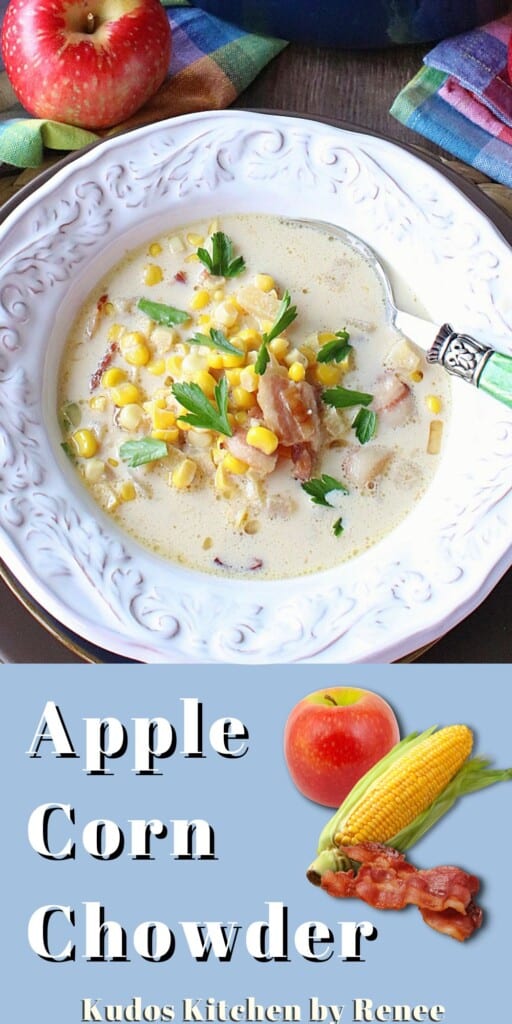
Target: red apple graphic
{"x": 335, "y": 735}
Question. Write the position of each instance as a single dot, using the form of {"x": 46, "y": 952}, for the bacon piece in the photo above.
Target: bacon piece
{"x": 387, "y": 881}
{"x": 94, "y": 321}
{"x": 104, "y": 363}
{"x": 450, "y": 922}
{"x": 392, "y": 399}
{"x": 181, "y": 277}
{"x": 290, "y": 409}
{"x": 261, "y": 463}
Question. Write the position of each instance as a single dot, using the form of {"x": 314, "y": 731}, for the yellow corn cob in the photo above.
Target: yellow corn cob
{"x": 407, "y": 788}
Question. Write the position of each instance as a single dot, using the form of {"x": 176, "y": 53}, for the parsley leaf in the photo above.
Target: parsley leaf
{"x": 221, "y": 262}
{"x": 335, "y": 350}
{"x": 215, "y": 339}
{"x": 286, "y": 314}
{"x": 169, "y": 316}
{"x": 319, "y": 488}
{"x": 202, "y": 413}
{"x": 337, "y": 527}
{"x": 144, "y": 449}
{"x": 343, "y": 398}
{"x": 365, "y": 425}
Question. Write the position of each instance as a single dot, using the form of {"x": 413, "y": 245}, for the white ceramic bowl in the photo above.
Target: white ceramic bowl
{"x": 74, "y": 561}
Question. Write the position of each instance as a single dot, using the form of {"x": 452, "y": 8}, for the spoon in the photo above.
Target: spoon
{"x": 459, "y": 354}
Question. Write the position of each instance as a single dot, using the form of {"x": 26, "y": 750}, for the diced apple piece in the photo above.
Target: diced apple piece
{"x": 403, "y": 356}
{"x": 263, "y": 305}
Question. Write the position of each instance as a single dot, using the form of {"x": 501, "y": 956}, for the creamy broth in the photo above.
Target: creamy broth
{"x": 230, "y": 517}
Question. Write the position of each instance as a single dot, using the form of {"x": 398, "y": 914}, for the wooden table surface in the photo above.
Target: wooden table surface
{"x": 355, "y": 87}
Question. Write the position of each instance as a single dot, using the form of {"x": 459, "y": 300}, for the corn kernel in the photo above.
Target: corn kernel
{"x": 233, "y": 376}
{"x": 241, "y": 398}
{"x": 264, "y": 282}
{"x": 226, "y": 314}
{"x": 218, "y": 294}
{"x": 98, "y": 403}
{"x": 193, "y": 363}
{"x": 195, "y": 239}
{"x": 229, "y": 360}
{"x": 200, "y": 299}
{"x": 114, "y": 332}
{"x": 131, "y": 416}
{"x": 163, "y": 418}
{"x": 125, "y": 394}
{"x": 173, "y": 365}
{"x": 241, "y": 417}
{"x": 205, "y": 320}
{"x": 170, "y": 435}
{"x": 416, "y": 376}
{"x": 184, "y": 474}
{"x": 162, "y": 339}
{"x": 134, "y": 348}
{"x": 94, "y": 470}
{"x": 279, "y": 347}
{"x": 249, "y": 378}
{"x": 221, "y": 482}
{"x": 155, "y": 249}
{"x": 263, "y": 439}
{"x": 192, "y": 258}
{"x": 433, "y": 403}
{"x": 108, "y": 308}
{"x": 233, "y": 465}
{"x": 183, "y": 425}
{"x": 251, "y": 337}
{"x": 84, "y": 443}
{"x": 215, "y": 360}
{"x": 327, "y": 373}
{"x": 297, "y": 372}
{"x": 156, "y": 367}
{"x": 127, "y": 491}
{"x": 114, "y": 375}
{"x": 153, "y": 274}
{"x": 206, "y": 382}
{"x": 308, "y": 353}
{"x": 113, "y": 463}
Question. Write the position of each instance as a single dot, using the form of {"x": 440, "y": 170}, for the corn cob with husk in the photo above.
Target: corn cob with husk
{"x": 404, "y": 794}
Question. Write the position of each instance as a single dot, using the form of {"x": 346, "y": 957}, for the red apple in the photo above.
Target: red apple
{"x": 333, "y": 736}
{"x": 90, "y": 63}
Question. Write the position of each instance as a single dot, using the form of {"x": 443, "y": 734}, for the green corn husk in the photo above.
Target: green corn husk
{"x": 474, "y": 774}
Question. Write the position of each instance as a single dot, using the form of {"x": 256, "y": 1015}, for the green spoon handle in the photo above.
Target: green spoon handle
{"x": 465, "y": 357}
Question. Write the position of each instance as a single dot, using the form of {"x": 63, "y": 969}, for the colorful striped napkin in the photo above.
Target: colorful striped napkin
{"x": 462, "y": 99}
{"x": 212, "y": 63}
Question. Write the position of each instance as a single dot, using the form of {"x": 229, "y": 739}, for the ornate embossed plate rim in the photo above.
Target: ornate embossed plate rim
{"x": 396, "y": 603}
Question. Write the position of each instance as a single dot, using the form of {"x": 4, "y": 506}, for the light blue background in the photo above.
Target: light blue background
{"x": 266, "y": 835}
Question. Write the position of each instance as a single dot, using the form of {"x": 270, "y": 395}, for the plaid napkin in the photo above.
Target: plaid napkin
{"x": 462, "y": 99}
{"x": 212, "y": 62}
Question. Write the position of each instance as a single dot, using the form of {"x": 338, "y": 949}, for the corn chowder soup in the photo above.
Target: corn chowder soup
{"x": 232, "y": 396}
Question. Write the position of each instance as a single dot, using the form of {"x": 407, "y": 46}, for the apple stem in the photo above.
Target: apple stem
{"x": 90, "y": 23}
{"x": 329, "y": 699}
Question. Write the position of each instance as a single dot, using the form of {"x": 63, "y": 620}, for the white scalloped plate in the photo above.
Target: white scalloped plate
{"x": 403, "y": 592}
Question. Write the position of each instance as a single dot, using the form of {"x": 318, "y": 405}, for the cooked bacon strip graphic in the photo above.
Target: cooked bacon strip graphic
{"x": 386, "y": 880}
{"x": 450, "y": 922}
